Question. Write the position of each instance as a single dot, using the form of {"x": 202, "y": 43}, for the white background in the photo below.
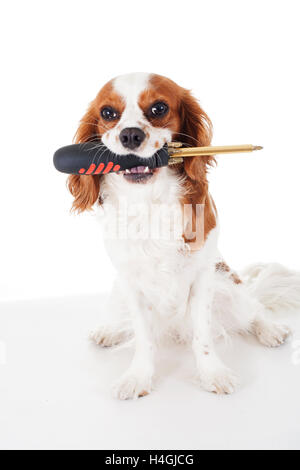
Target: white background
{"x": 241, "y": 59}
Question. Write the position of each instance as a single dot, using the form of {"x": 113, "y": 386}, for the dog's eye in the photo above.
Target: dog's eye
{"x": 159, "y": 109}
{"x": 109, "y": 114}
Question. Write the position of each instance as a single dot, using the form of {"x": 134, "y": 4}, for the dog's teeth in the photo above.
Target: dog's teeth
{"x": 127, "y": 171}
{"x": 146, "y": 170}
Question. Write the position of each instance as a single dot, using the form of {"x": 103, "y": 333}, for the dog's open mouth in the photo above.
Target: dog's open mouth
{"x": 139, "y": 174}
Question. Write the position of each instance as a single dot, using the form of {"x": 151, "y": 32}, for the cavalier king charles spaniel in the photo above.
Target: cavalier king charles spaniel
{"x": 161, "y": 232}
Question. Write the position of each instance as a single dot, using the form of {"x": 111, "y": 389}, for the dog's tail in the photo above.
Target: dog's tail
{"x": 275, "y": 286}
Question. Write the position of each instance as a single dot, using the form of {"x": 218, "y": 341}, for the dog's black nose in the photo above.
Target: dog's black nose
{"x": 132, "y": 137}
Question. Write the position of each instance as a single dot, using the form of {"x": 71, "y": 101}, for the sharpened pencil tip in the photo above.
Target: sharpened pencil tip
{"x": 258, "y": 147}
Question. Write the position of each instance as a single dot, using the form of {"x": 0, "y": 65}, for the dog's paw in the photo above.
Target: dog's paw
{"x": 271, "y": 334}
{"x": 221, "y": 381}
{"x": 109, "y": 335}
{"x": 132, "y": 386}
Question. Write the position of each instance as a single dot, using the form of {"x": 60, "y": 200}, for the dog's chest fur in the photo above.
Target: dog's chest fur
{"x": 163, "y": 268}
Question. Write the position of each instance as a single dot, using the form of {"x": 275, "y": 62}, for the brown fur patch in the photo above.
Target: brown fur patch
{"x": 191, "y": 126}
{"x": 235, "y": 278}
{"x": 224, "y": 268}
{"x": 162, "y": 89}
{"x": 85, "y": 188}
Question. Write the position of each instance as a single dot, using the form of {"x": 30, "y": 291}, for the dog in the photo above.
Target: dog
{"x": 174, "y": 282}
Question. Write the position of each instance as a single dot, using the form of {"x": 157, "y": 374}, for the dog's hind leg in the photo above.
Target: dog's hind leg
{"x": 268, "y": 332}
{"x": 274, "y": 287}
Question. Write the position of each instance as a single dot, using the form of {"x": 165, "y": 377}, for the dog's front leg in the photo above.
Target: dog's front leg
{"x": 137, "y": 380}
{"x": 212, "y": 374}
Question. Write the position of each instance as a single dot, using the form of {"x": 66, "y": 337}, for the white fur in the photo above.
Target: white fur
{"x": 164, "y": 288}
{"x": 273, "y": 285}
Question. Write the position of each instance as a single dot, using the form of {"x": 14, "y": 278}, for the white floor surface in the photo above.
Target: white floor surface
{"x": 55, "y": 388}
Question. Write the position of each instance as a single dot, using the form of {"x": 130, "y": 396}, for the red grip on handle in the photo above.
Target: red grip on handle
{"x": 108, "y": 168}
{"x": 91, "y": 169}
{"x": 99, "y": 169}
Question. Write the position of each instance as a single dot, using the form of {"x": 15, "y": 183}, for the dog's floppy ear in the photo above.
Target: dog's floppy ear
{"x": 85, "y": 188}
{"x": 87, "y": 129}
{"x": 196, "y": 131}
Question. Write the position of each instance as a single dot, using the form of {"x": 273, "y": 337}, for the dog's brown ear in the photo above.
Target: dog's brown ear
{"x": 85, "y": 188}
{"x": 88, "y": 129}
{"x": 196, "y": 131}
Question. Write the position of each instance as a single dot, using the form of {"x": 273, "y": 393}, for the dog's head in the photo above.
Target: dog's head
{"x": 137, "y": 114}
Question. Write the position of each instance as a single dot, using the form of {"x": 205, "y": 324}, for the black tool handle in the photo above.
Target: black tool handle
{"x": 94, "y": 159}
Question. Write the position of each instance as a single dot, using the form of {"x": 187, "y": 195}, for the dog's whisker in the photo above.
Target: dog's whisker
{"x": 190, "y": 137}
